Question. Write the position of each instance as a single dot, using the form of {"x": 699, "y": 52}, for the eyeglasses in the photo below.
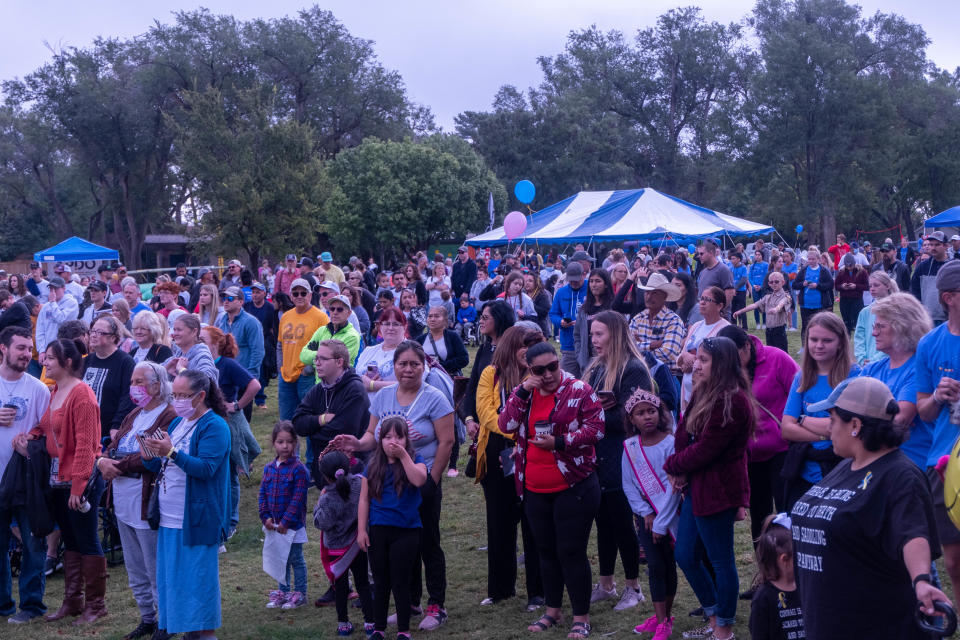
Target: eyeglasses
{"x": 97, "y": 332}
{"x": 542, "y": 369}
{"x": 390, "y": 325}
{"x": 325, "y": 359}
{"x": 183, "y": 396}
{"x": 709, "y": 299}
{"x": 229, "y": 298}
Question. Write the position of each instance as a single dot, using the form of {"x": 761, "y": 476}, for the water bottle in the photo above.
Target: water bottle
{"x": 84, "y": 505}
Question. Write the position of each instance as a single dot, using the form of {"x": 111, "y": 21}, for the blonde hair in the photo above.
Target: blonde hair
{"x": 620, "y": 350}
{"x": 884, "y": 278}
{"x": 908, "y": 319}
{"x": 214, "y": 307}
{"x": 156, "y": 325}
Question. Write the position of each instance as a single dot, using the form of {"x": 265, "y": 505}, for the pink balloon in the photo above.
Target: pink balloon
{"x": 514, "y": 224}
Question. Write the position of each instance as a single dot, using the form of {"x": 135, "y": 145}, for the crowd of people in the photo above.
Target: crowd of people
{"x": 626, "y": 395}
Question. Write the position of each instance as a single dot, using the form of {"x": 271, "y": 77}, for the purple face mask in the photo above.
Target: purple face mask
{"x": 183, "y": 407}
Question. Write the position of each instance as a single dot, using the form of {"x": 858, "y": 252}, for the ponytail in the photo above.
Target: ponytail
{"x": 335, "y": 469}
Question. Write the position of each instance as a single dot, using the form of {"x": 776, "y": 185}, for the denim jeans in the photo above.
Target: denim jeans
{"x": 31, "y": 580}
{"x": 289, "y": 394}
{"x": 234, "y": 497}
{"x": 261, "y": 398}
{"x": 716, "y": 533}
{"x": 296, "y": 563}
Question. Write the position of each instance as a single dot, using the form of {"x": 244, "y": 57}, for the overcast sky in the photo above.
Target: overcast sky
{"x": 452, "y": 54}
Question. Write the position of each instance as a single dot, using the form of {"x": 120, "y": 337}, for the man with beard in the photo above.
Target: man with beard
{"x": 23, "y": 400}
{"x": 897, "y": 270}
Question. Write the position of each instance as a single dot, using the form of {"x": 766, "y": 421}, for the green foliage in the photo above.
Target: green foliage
{"x": 260, "y": 181}
{"x": 392, "y": 197}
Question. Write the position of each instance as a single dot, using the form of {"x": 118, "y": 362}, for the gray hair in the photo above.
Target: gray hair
{"x": 129, "y": 280}
{"x": 159, "y": 375}
{"x": 153, "y": 323}
{"x": 908, "y": 320}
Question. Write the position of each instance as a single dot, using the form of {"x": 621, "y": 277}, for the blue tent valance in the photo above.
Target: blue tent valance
{"x": 73, "y": 249}
{"x": 948, "y": 218}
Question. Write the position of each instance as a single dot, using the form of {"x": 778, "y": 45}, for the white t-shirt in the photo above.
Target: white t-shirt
{"x": 436, "y": 298}
{"x": 31, "y": 398}
{"x": 128, "y": 492}
{"x": 379, "y": 356}
{"x": 441, "y": 347}
{"x": 173, "y": 485}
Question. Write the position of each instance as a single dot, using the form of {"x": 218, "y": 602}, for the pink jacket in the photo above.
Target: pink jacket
{"x": 578, "y": 424}
{"x": 771, "y": 386}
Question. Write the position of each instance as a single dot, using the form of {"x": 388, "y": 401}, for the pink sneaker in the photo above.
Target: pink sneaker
{"x": 664, "y": 629}
{"x": 647, "y": 626}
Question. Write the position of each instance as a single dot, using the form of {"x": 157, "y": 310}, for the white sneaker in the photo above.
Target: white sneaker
{"x": 762, "y": 326}
{"x": 629, "y": 599}
{"x": 791, "y": 329}
{"x": 599, "y": 593}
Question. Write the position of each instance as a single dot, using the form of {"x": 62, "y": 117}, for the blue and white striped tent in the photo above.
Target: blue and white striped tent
{"x": 633, "y": 214}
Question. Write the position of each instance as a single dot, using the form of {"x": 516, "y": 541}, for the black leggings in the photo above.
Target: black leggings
{"x": 78, "y": 530}
{"x": 341, "y": 590}
{"x": 430, "y": 558}
{"x": 503, "y": 514}
{"x": 393, "y": 551}
{"x": 615, "y": 532}
{"x": 661, "y": 565}
{"x": 561, "y": 525}
{"x": 766, "y": 490}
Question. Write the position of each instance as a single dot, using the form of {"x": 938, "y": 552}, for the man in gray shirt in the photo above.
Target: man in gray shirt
{"x": 715, "y": 274}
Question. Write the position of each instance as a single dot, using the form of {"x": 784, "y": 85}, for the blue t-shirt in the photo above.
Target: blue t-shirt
{"x": 758, "y": 270}
{"x": 812, "y": 298}
{"x": 788, "y": 269}
{"x": 233, "y": 378}
{"x": 738, "y": 274}
{"x": 797, "y": 404}
{"x": 429, "y": 405}
{"x": 392, "y": 510}
{"x": 902, "y": 384}
{"x": 938, "y": 356}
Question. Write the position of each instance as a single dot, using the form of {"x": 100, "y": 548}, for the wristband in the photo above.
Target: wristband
{"x": 936, "y": 399}
{"x": 923, "y": 577}
{"x": 323, "y": 419}
{"x": 371, "y": 385}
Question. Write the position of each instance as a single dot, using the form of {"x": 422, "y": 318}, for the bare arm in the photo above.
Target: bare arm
{"x": 363, "y": 515}
{"x": 811, "y": 430}
{"x": 443, "y": 427}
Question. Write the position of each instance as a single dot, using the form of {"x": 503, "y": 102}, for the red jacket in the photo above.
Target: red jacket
{"x": 858, "y": 277}
{"x": 716, "y": 462}
{"x": 578, "y": 424}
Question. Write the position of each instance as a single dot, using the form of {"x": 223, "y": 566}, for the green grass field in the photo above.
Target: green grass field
{"x": 244, "y": 585}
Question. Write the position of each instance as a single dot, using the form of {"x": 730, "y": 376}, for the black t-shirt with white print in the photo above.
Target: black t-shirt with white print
{"x": 848, "y": 536}
{"x": 776, "y": 614}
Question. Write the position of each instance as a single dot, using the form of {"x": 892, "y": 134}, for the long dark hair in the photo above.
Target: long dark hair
{"x": 503, "y": 316}
{"x": 606, "y": 299}
{"x": 377, "y": 467}
{"x": 199, "y": 381}
{"x": 63, "y": 349}
{"x": 741, "y": 339}
{"x": 727, "y": 378}
{"x": 335, "y": 469}
{"x": 690, "y": 298}
{"x": 774, "y": 540}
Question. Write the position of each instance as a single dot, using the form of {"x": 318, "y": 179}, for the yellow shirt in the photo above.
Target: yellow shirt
{"x": 296, "y": 329}
{"x": 333, "y": 273}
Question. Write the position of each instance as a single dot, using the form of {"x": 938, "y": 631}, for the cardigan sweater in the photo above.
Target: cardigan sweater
{"x": 206, "y": 513}
{"x": 73, "y": 435}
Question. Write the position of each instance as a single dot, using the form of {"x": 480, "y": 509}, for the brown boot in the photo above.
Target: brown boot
{"x": 95, "y": 575}
{"x": 72, "y": 587}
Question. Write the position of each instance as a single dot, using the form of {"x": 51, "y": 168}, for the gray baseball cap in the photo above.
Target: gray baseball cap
{"x": 866, "y": 397}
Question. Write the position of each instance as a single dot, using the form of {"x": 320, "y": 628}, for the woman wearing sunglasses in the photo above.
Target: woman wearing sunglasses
{"x": 495, "y": 468}
{"x": 710, "y": 466}
{"x": 712, "y": 301}
{"x": 557, "y": 420}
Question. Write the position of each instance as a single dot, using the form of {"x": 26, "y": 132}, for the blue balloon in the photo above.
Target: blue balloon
{"x": 525, "y": 191}
{"x": 799, "y": 228}
{"x": 691, "y": 248}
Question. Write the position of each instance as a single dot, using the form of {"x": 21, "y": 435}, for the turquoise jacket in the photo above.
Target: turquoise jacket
{"x": 206, "y": 512}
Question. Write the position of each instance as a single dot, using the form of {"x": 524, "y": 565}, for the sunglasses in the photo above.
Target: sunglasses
{"x": 326, "y": 293}
{"x": 299, "y": 294}
{"x": 539, "y": 370}
{"x": 337, "y": 309}
{"x": 707, "y": 299}
{"x": 230, "y": 298}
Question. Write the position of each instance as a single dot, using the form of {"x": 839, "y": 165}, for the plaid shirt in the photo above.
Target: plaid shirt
{"x": 666, "y": 326}
{"x": 283, "y": 493}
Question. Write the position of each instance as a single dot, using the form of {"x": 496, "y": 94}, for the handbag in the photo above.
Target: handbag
{"x": 153, "y": 503}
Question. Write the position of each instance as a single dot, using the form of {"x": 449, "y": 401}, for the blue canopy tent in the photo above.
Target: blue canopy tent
{"x": 948, "y": 218}
{"x": 633, "y": 214}
{"x": 74, "y": 249}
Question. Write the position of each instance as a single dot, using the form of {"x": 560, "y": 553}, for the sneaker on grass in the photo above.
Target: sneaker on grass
{"x": 647, "y": 626}
{"x": 599, "y": 593}
{"x": 664, "y": 629}
{"x": 277, "y": 599}
{"x": 433, "y": 618}
{"x": 344, "y": 629}
{"x": 415, "y": 610}
{"x": 629, "y": 599}
{"x": 706, "y": 631}
{"x": 295, "y": 600}
{"x": 22, "y": 617}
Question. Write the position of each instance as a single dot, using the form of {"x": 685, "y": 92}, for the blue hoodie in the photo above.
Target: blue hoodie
{"x": 566, "y": 304}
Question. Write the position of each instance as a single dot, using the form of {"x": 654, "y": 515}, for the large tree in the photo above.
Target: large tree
{"x": 394, "y": 197}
